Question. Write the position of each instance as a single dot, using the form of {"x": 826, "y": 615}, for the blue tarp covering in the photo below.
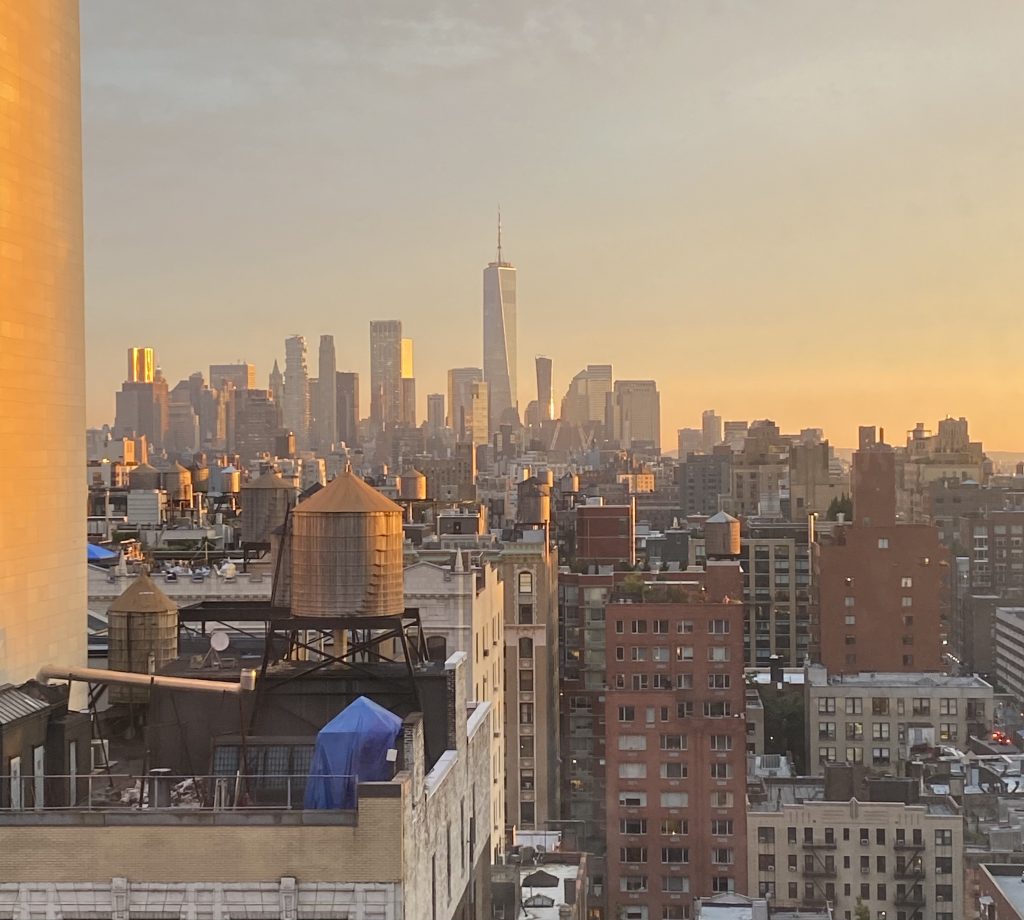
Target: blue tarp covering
{"x": 352, "y": 748}
{"x": 99, "y": 554}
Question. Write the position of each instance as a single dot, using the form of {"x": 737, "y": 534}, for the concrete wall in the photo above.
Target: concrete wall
{"x": 42, "y": 340}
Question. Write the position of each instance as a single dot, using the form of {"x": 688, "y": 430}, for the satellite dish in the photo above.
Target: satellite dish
{"x": 219, "y": 640}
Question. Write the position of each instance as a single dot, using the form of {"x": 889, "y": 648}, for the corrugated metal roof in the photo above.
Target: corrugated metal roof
{"x": 348, "y": 494}
{"x": 16, "y": 704}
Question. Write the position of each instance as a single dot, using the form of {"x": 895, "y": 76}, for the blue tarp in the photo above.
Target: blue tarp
{"x": 352, "y": 748}
{"x": 99, "y": 554}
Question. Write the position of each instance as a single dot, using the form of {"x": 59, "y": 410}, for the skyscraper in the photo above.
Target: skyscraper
{"x": 545, "y": 402}
{"x": 587, "y": 395}
{"x": 460, "y": 381}
{"x": 435, "y": 412}
{"x": 276, "y": 384}
{"x": 477, "y": 419}
{"x": 142, "y": 406}
{"x": 242, "y": 374}
{"x": 408, "y": 384}
{"x": 348, "y": 407}
{"x": 327, "y": 395}
{"x": 711, "y": 427}
{"x": 140, "y": 365}
{"x": 296, "y": 390}
{"x": 385, "y": 372}
{"x": 634, "y": 416}
{"x": 500, "y": 337}
{"x": 42, "y": 341}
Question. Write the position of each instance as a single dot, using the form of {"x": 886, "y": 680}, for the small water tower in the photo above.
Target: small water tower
{"x": 722, "y": 536}
{"x": 142, "y": 634}
{"x": 265, "y": 504}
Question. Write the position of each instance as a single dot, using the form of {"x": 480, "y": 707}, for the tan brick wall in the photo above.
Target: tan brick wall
{"x": 371, "y": 852}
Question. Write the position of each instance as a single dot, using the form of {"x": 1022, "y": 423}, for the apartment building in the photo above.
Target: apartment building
{"x": 1008, "y": 649}
{"x": 878, "y": 719}
{"x": 675, "y": 744}
{"x": 901, "y": 861}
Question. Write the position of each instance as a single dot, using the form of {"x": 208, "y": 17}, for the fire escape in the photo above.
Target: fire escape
{"x": 818, "y": 868}
{"x": 909, "y": 874}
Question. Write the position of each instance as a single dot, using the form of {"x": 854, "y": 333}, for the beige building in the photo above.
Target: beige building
{"x": 903, "y": 862}
{"x": 464, "y": 606}
{"x": 879, "y": 719}
{"x": 413, "y": 847}
{"x": 42, "y": 340}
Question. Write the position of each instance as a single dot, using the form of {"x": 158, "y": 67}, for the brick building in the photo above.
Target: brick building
{"x": 675, "y": 745}
{"x": 881, "y": 584}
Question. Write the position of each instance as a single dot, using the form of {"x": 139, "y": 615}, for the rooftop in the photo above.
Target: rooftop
{"x": 1007, "y": 879}
{"x": 817, "y": 676}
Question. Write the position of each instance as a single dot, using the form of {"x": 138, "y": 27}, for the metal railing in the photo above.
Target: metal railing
{"x": 163, "y": 790}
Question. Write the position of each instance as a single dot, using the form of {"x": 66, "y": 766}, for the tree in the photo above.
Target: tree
{"x": 842, "y": 505}
{"x": 861, "y": 911}
{"x": 784, "y": 724}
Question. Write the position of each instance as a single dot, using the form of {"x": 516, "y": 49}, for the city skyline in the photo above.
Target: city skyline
{"x": 821, "y": 184}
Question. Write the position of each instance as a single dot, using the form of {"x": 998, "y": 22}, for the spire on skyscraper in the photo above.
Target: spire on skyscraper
{"x": 499, "y": 234}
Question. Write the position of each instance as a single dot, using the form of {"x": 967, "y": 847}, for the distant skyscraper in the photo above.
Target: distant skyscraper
{"x": 257, "y": 423}
{"x": 500, "y": 337}
{"x": 477, "y": 420}
{"x": 634, "y": 416}
{"x": 545, "y": 402}
{"x": 141, "y": 365}
{"x": 408, "y": 416}
{"x": 690, "y": 440}
{"x": 385, "y": 372}
{"x": 142, "y": 407}
{"x": 296, "y": 390}
{"x": 276, "y": 384}
{"x": 711, "y": 426}
{"x": 460, "y": 381}
{"x": 241, "y": 374}
{"x": 586, "y": 398}
{"x": 42, "y": 346}
{"x": 327, "y": 395}
{"x": 435, "y": 412}
{"x": 734, "y": 434}
{"x": 348, "y": 408}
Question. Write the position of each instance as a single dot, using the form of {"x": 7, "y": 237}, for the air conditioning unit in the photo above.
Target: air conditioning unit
{"x": 100, "y": 754}
{"x": 865, "y": 843}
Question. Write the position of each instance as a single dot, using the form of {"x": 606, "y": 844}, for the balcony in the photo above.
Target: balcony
{"x": 913, "y": 898}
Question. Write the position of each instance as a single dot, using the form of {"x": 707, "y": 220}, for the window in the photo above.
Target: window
{"x": 638, "y": 653}
{"x": 526, "y": 746}
{"x": 943, "y": 865}
{"x": 673, "y": 826}
{"x": 947, "y": 731}
{"x": 675, "y": 883}
{"x": 718, "y": 682}
{"x": 947, "y": 707}
{"x": 673, "y": 742}
{"x": 675, "y": 855}
{"x": 639, "y": 627}
{"x": 659, "y": 627}
{"x": 526, "y": 613}
{"x": 627, "y": 713}
{"x": 684, "y": 710}
{"x": 620, "y": 653}
{"x": 944, "y": 838}
{"x": 826, "y": 731}
{"x": 659, "y": 654}
{"x": 883, "y": 542}
{"x": 723, "y": 827}
{"x": 718, "y": 653}
{"x": 679, "y": 912}
{"x": 632, "y": 742}
{"x": 639, "y": 681}
{"x": 826, "y": 755}
{"x": 943, "y": 892}
{"x": 684, "y": 681}
{"x": 922, "y": 706}
{"x": 526, "y": 582}
{"x": 675, "y": 769}
{"x": 684, "y": 653}
{"x": 675, "y": 799}
{"x": 721, "y": 771}
{"x": 880, "y": 731}
{"x": 906, "y": 602}
{"x": 633, "y": 854}
{"x": 721, "y": 800}
{"x": 661, "y": 682}
{"x": 526, "y": 713}
{"x": 880, "y": 755}
{"x": 791, "y": 835}
{"x": 714, "y": 710}
{"x": 721, "y": 883}
{"x": 851, "y": 620}
{"x": 906, "y": 582}
{"x": 526, "y": 781}
{"x": 633, "y": 883}
{"x": 619, "y": 627}
{"x": 854, "y": 731}
{"x": 526, "y": 681}
{"x": 879, "y": 706}
{"x": 826, "y": 704}
{"x": 633, "y": 799}
{"x": 721, "y": 856}
{"x": 721, "y": 742}
{"x": 684, "y": 626}
{"x": 527, "y": 813}
{"x": 632, "y": 771}
{"x": 854, "y": 706}
{"x": 526, "y": 648}
{"x": 718, "y": 627}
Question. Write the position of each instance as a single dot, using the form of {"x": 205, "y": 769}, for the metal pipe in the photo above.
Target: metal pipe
{"x": 246, "y": 682}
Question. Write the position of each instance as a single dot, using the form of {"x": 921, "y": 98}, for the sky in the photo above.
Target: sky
{"x": 808, "y": 211}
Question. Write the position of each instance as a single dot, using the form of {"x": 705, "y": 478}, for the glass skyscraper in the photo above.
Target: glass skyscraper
{"x": 500, "y": 338}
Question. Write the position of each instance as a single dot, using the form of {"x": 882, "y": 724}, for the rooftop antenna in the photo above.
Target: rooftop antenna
{"x": 499, "y": 234}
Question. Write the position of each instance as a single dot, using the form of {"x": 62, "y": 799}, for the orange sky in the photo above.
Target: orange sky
{"x": 805, "y": 211}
